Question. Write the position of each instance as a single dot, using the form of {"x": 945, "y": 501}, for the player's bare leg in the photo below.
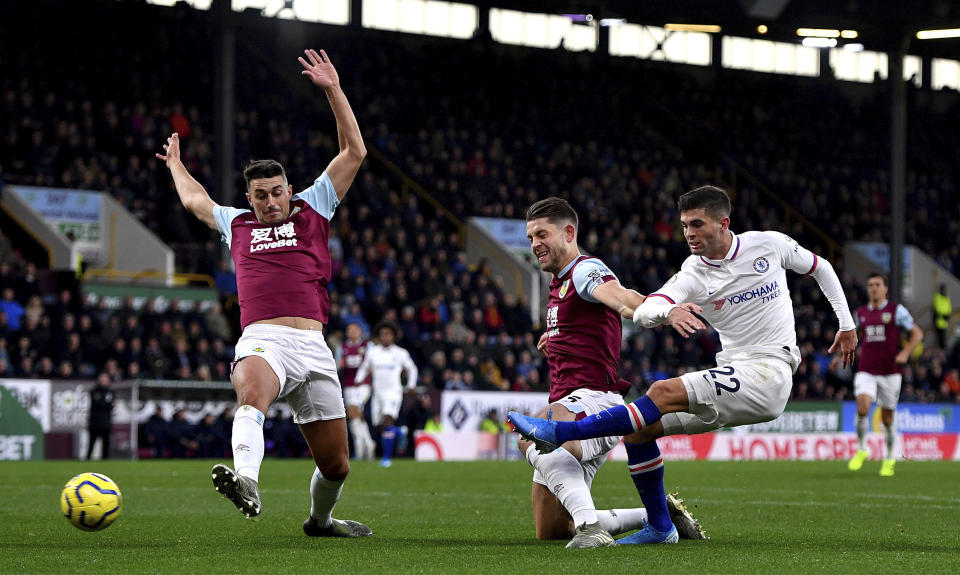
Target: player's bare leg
{"x": 327, "y": 440}
{"x": 257, "y": 386}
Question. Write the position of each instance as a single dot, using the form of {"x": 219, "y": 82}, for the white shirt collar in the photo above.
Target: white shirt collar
{"x": 731, "y": 253}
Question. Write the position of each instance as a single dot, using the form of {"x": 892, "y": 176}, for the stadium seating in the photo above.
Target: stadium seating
{"x": 620, "y": 139}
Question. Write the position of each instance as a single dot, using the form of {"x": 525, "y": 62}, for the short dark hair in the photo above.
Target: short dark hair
{"x": 260, "y": 169}
{"x": 556, "y": 210}
{"x": 882, "y": 277}
{"x": 386, "y": 324}
{"x": 714, "y": 201}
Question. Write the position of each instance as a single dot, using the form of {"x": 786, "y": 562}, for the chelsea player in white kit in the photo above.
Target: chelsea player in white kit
{"x": 384, "y": 362}
{"x": 739, "y": 284}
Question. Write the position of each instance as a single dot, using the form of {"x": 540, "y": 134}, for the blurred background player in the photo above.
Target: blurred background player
{"x": 882, "y": 323}
{"x": 349, "y": 358}
{"x": 582, "y": 346}
{"x": 101, "y": 416}
{"x": 384, "y": 363}
{"x": 741, "y": 283}
{"x": 282, "y": 259}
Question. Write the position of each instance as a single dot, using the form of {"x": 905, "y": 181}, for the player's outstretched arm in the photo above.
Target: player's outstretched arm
{"x": 846, "y": 339}
{"x": 343, "y": 168}
{"x": 618, "y": 298}
{"x": 191, "y": 193}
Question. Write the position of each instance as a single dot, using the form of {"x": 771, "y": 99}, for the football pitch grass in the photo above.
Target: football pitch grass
{"x": 763, "y": 517}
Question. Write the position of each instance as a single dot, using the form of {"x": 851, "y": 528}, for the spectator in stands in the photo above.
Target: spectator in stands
{"x": 491, "y": 423}
{"x": 208, "y": 444}
{"x": 12, "y": 308}
{"x": 217, "y": 324}
{"x": 181, "y": 436}
{"x": 225, "y": 279}
{"x": 224, "y": 425}
{"x": 155, "y": 434}
{"x": 420, "y": 412}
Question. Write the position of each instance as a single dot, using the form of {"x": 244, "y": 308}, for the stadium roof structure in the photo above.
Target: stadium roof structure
{"x": 881, "y": 25}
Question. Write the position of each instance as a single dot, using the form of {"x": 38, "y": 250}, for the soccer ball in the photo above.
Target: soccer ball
{"x": 91, "y": 501}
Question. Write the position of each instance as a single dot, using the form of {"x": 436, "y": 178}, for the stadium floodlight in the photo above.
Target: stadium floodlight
{"x": 708, "y": 28}
{"x": 849, "y": 34}
{"x": 854, "y": 47}
{"x": 938, "y": 34}
{"x": 613, "y": 21}
{"x": 762, "y": 28}
{"x": 814, "y": 42}
{"x": 818, "y": 33}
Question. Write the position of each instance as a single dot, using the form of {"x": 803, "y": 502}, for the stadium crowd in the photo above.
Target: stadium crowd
{"x": 620, "y": 139}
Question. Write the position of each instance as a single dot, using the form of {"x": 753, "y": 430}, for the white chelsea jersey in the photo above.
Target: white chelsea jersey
{"x": 386, "y": 364}
{"x": 745, "y": 296}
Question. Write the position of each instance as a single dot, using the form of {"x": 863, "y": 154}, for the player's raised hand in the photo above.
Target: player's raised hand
{"x": 846, "y": 342}
{"x": 542, "y": 344}
{"x": 683, "y": 320}
{"x": 171, "y": 149}
{"x": 319, "y": 69}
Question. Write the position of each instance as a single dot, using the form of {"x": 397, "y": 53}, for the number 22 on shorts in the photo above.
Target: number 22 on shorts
{"x": 727, "y": 372}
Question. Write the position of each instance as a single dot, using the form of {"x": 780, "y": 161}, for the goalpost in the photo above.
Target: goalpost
{"x": 138, "y": 399}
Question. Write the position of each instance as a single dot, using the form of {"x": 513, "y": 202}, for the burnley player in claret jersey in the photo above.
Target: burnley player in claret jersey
{"x": 582, "y": 345}
{"x": 282, "y": 259}
{"x": 881, "y": 323}
{"x": 355, "y": 394}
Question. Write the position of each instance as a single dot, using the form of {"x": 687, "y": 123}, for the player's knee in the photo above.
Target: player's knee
{"x": 335, "y": 470}
{"x": 669, "y": 395}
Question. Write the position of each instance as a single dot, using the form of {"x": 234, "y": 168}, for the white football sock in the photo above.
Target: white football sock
{"x": 617, "y": 521}
{"x": 862, "y": 424}
{"x": 363, "y": 444}
{"x": 564, "y": 477}
{"x": 247, "y": 441}
{"x": 890, "y": 434}
{"x": 324, "y": 494}
{"x": 359, "y": 443}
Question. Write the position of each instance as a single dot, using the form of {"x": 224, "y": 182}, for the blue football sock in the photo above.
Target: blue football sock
{"x": 619, "y": 420}
{"x": 646, "y": 469}
{"x": 387, "y": 439}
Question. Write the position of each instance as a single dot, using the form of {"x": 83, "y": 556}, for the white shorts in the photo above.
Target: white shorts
{"x": 304, "y": 365}
{"x": 735, "y": 393}
{"x": 595, "y": 451}
{"x": 357, "y": 395}
{"x": 385, "y": 403}
{"x": 884, "y": 389}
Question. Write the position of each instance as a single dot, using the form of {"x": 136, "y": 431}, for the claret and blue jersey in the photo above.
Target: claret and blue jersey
{"x": 283, "y": 269}
{"x": 583, "y": 335}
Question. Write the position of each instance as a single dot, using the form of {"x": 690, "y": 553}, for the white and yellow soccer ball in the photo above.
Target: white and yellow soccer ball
{"x": 91, "y": 501}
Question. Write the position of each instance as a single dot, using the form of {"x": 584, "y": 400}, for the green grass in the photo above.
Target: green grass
{"x": 764, "y": 517}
